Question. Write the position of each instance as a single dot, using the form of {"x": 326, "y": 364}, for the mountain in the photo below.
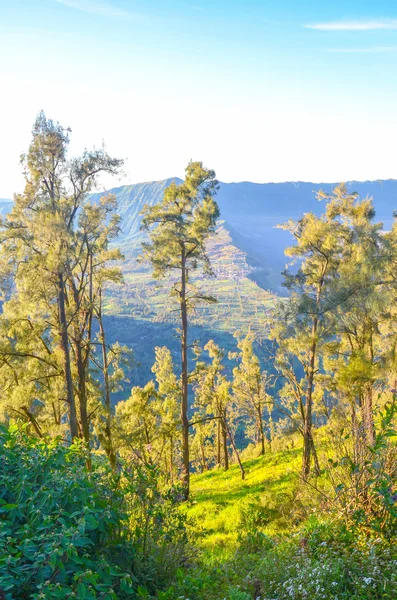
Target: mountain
{"x": 250, "y": 212}
{"x": 5, "y": 206}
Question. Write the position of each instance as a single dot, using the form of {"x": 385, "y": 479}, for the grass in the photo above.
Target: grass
{"x": 219, "y": 499}
{"x": 271, "y": 537}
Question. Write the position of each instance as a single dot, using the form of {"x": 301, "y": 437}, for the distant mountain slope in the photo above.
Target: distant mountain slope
{"x": 250, "y": 212}
{"x": 240, "y": 302}
{"x": 294, "y": 198}
{"x": 5, "y": 206}
{"x": 253, "y": 210}
{"x": 130, "y": 201}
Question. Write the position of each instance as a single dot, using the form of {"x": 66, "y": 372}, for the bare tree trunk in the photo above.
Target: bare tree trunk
{"x": 368, "y": 415}
{"x": 357, "y": 437}
{"x": 81, "y": 363}
{"x": 308, "y": 443}
{"x": 271, "y": 431}
{"x": 315, "y": 459}
{"x": 82, "y": 390}
{"x": 236, "y": 452}
{"x": 109, "y": 447}
{"x": 56, "y": 413}
{"x": 184, "y": 406}
{"x": 33, "y": 421}
{"x": 224, "y": 440}
{"x": 261, "y": 432}
{"x": 64, "y": 339}
{"x": 203, "y": 460}
{"x": 218, "y": 444}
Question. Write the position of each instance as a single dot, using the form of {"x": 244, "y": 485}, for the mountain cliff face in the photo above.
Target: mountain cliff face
{"x": 130, "y": 201}
{"x": 250, "y": 212}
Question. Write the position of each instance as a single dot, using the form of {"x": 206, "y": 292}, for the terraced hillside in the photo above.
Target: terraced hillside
{"x": 240, "y": 301}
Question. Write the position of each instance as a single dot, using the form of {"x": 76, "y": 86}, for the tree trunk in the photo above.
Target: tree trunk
{"x": 357, "y": 437}
{"x": 224, "y": 440}
{"x": 81, "y": 362}
{"x": 271, "y": 431}
{"x": 368, "y": 415}
{"x": 64, "y": 339}
{"x": 184, "y": 406}
{"x": 109, "y": 447}
{"x": 56, "y": 413}
{"x": 308, "y": 443}
{"x": 261, "y": 432}
{"x": 82, "y": 390}
{"x": 315, "y": 459}
{"x": 236, "y": 452}
{"x": 33, "y": 421}
{"x": 218, "y": 444}
{"x": 202, "y": 449}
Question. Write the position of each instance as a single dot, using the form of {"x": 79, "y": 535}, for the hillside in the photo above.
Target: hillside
{"x": 219, "y": 498}
{"x": 250, "y": 212}
{"x": 141, "y": 297}
{"x": 247, "y": 254}
{"x": 275, "y": 537}
{"x": 143, "y": 316}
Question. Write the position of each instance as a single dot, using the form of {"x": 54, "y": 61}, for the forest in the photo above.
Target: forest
{"x": 262, "y": 471}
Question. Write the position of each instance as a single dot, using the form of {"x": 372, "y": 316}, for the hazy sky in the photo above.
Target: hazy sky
{"x": 261, "y": 90}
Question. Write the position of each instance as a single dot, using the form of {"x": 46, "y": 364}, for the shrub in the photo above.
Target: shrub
{"x": 66, "y": 532}
{"x": 364, "y": 490}
{"x": 253, "y": 518}
{"x": 336, "y": 568}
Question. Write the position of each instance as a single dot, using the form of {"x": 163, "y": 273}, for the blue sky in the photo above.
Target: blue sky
{"x": 261, "y": 90}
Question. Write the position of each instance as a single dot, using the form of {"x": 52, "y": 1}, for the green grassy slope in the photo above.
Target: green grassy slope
{"x": 221, "y": 500}
{"x": 271, "y": 537}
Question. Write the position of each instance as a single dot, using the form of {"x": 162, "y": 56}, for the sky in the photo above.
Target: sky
{"x": 259, "y": 90}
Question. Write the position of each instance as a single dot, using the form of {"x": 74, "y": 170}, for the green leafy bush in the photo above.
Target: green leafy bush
{"x": 254, "y": 515}
{"x": 66, "y": 532}
{"x": 364, "y": 490}
{"x": 336, "y": 568}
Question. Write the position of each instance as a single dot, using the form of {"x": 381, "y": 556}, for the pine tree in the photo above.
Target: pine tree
{"x": 179, "y": 227}
{"x": 303, "y": 320}
{"x": 168, "y": 401}
{"x": 361, "y": 310}
{"x": 249, "y": 386}
{"x": 212, "y": 395}
{"x": 43, "y": 245}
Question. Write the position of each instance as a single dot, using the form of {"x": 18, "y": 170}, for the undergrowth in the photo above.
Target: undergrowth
{"x": 66, "y": 532}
